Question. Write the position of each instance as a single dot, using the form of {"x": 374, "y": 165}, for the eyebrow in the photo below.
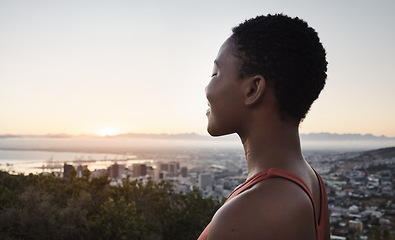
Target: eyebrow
{"x": 216, "y": 62}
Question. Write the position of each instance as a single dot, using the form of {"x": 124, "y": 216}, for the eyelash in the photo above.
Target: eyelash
{"x": 214, "y": 74}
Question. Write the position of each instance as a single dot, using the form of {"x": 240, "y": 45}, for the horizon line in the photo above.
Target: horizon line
{"x": 190, "y": 134}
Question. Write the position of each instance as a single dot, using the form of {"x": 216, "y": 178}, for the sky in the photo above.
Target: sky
{"x": 91, "y": 67}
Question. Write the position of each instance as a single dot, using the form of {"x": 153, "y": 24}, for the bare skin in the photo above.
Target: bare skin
{"x": 275, "y": 208}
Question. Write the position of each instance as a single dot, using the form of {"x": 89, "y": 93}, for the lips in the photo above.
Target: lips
{"x": 209, "y": 109}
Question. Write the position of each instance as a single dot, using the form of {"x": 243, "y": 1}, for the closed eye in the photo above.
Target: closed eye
{"x": 214, "y": 74}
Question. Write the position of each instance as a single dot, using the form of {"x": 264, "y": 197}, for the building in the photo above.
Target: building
{"x": 114, "y": 171}
{"x": 139, "y": 170}
{"x": 164, "y": 167}
{"x": 205, "y": 180}
{"x": 355, "y": 225}
{"x": 80, "y": 170}
{"x": 67, "y": 169}
{"x": 184, "y": 172}
{"x": 174, "y": 167}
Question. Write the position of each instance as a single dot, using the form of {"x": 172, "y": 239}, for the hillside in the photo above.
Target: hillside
{"x": 382, "y": 153}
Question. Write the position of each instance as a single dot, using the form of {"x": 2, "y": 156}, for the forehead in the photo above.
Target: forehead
{"x": 226, "y": 54}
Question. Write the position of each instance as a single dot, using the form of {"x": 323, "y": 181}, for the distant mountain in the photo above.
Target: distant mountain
{"x": 383, "y": 153}
{"x": 60, "y": 135}
{"x": 232, "y": 137}
{"x": 342, "y": 137}
{"x": 371, "y": 155}
{"x": 163, "y": 136}
{"x": 136, "y": 141}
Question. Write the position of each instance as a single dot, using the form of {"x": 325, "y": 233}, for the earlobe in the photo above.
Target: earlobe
{"x": 254, "y": 89}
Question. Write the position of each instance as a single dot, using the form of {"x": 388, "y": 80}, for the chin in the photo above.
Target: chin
{"x": 212, "y": 132}
{"x": 216, "y": 132}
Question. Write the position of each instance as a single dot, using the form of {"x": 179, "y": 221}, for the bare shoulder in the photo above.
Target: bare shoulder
{"x": 273, "y": 209}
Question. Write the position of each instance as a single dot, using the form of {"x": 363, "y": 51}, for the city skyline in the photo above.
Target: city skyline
{"x": 107, "y": 68}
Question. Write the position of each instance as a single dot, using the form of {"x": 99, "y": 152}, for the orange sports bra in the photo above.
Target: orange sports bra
{"x": 320, "y": 223}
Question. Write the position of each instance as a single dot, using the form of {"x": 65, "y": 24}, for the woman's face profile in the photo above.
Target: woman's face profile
{"x": 224, "y": 94}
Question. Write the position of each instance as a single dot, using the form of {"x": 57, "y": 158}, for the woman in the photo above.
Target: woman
{"x": 265, "y": 78}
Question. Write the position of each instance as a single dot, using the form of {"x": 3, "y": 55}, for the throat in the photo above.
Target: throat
{"x": 267, "y": 156}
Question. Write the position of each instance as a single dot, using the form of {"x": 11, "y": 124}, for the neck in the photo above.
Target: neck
{"x": 275, "y": 145}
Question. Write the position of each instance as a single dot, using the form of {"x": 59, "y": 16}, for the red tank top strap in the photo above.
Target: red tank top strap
{"x": 275, "y": 172}
{"x": 320, "y": 222}
{"x": 323, "y": 224}
{"x": 262, "y": 175}
{"x": 241, "y": 188}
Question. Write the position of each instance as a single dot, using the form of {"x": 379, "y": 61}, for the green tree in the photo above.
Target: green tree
{"x": 49, "y": 207}
{"x": 118, "y": 220}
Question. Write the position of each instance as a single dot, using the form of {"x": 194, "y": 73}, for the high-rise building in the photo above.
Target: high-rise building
{"x": 67, "y": 169}
{"x": 174, "y": 167}
{"x": 164, "y": 167}
{"x": 184, "y": 172}
{"x": 113, "y": 171}
{"x": 139, "y": 170}
{"x": 205, "y": 180}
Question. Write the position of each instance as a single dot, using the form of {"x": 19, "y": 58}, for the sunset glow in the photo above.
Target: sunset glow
{"x": 142, "y": 67}
{"x": 108, "y": 132}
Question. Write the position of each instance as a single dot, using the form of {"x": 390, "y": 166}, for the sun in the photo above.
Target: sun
{"x": 109, "y": 131}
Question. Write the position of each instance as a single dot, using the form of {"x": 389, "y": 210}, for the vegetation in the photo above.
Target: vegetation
{"x": 49, "y": 207}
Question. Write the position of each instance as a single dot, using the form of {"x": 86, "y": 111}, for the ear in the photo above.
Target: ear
{"x": 254, "y": 89}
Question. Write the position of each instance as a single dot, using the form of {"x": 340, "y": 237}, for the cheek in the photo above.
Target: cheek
{"x": 211, "y": 91}
{"x": 223, "y": 95}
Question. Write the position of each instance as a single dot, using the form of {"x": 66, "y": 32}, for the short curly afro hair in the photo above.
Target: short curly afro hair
{"x": 288, "y": 54}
